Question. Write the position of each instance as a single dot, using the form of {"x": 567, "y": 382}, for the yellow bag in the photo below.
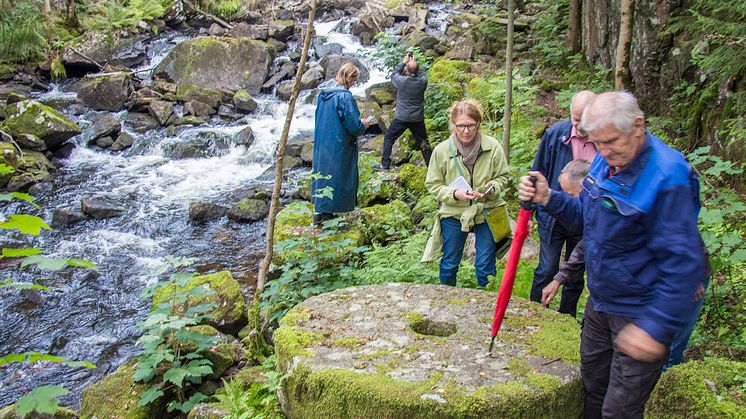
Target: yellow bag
{"x": 499, "y": 223}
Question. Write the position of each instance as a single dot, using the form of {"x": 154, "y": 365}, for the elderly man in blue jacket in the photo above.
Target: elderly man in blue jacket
{"x": 644, "y": 255}
{"x": 560, "y": 144}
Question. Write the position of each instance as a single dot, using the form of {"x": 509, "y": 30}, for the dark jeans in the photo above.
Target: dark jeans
{"x": 453, "y": 248}
{"x": 682, "y": 337}
{"x": 550, "y": 249}
{"x": 396, "y": 129}
{"x": 615, "y": 385}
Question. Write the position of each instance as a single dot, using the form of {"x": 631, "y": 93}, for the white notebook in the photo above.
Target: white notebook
{"x": 460, "y": 184}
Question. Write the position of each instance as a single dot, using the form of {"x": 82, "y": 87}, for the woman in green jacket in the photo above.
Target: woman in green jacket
{"x": 466, "y": 174}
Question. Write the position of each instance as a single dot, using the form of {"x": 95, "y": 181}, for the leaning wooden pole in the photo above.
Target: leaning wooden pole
{"x": 508, "y": 81}
{"x": 275, "y": 203}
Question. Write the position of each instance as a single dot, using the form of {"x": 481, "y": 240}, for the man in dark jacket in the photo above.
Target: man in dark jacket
{"x": 410, "y": 110}
{"x": 643, "y": 253}
{"x": 560, "y": 144}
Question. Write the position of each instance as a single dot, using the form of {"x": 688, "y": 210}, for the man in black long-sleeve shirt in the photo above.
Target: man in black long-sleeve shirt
{"x": 410, "y": 110}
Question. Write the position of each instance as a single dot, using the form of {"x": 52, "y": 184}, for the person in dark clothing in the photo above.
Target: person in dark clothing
{"x": 644, "y": 256}
{"x": 571, "y": 181}
{"x": 410, "y": 110}
{"x": 560, "y": 144}
{"x": 337, "y": 126}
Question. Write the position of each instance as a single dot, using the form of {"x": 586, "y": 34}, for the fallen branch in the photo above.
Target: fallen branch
{"x": 4, "y": 134}
{"x": 215, "y": 19}
{"x": 90, "y": 60}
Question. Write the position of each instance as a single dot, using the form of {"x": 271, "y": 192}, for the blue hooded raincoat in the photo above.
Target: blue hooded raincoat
{"x": 337, "y": 126}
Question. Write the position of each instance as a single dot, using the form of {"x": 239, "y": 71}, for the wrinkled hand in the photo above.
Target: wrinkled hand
{"x": 467, "y": 195}
{"x": 548, "y": 293}
{"x": 639, "y": 345}
{"x": 538, "y": 193}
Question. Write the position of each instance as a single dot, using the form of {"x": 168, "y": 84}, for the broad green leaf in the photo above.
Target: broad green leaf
{"x": 738, "y": 256}
{"x": 21, "y": 286}
{"x": 16, "y": 253}
{"x": 42, "y": 400}
{"x": 82, "y": 263}
{"x": 189, "y": 404}
{"x": 149, "y": 395}
{"x": 18, "y": 195}
{"x": 6, "y": 170}
{"x": 26, "y": 224}
{"x": 7, "y": 359}
{"x": 43, "y": 262}
{"x": 175, "y": 375}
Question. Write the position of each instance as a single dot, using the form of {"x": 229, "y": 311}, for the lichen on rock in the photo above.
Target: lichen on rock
{"x": 32, "y": 117}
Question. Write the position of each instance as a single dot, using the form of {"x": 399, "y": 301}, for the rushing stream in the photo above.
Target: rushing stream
{"x": 92, "y": 316}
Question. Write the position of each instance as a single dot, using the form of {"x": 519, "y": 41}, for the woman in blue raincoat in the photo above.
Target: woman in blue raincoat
{"x": 337, "y": 126}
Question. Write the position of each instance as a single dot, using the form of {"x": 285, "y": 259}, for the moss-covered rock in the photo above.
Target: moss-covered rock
{"x": 248, "y": 210}
{"x": 387, "y": 222}
{"x": 243, "y": 101}
{"x": 225, "y": 353}
{"x": 250, "y": 375}
{"x": 208, "y": 411}
{"x": 413, "y": 179}
{"x": 189, "y": 92}
{"x": 116, "y": 396}
{"x": 396, "y": 371}
{"x": 424, "y": 211}
{"x": 105, "y": 92}
{"x": 218, "y": 63}
{"x": 713, "y": 388}
{"x": 229, "y": 315}
{"x": 375, "y": 186}
{"x": 32, "y": 117}
{"x": 9, "y": 412}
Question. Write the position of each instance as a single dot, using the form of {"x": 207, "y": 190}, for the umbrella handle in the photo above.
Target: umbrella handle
{"x": 528, "y": 205}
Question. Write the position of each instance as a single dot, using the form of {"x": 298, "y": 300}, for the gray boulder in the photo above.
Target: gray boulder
{"x": 102, "y": 125}
{"x": 100, "y": 209}
{"x": 105, "y": 142}
{"x": 32, "y": 117}
{"x": 243, "y": 101}
{"x": 245, "y": 137}
{"x": 105, "y": 92}
{"x": 281, "y": 29}
{"x": 248, "y": 210}
{"x": 198, "y": 109}
{"x": 285, "y": 89}
{"x": 104, "y": 49}
{"x": 322, "y": 48}
{"x": 140, "y": 122}
{"x": 217, "y": 63}
{"x": 124, "y": 140}
{"x": 66, "y": 216}
{"x": 200, "y": 211}
{"x": 31, "y": 142}
{"x": 312, "y": 77}
{"x": 332, "y": 64}
{"x": 161, "y": 110}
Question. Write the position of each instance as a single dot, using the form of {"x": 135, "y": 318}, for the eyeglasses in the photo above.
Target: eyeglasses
{"x": 470, "y": 127}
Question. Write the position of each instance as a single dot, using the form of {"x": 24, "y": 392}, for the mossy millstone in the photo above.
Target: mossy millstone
{"x": 355, "y": 352}
{"x": 712, "y": 388}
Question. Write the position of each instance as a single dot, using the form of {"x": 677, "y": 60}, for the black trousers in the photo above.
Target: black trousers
{"x": 615, "y": 385}
{"x": 396, "y": 129}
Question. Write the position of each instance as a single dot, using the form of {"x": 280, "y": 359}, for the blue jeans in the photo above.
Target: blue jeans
{"x": 681, "y": 339}
{"x": 453, "y": 248}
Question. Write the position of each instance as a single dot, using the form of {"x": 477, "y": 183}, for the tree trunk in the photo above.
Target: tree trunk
{"x": 275, "y": 203}
{"x": 574, "y": 26}
{"x": 508, "y": 81}
{"x": 45, "y": 9}
{"x": 621, "y": 70}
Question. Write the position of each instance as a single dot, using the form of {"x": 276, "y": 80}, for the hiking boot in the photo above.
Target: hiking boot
{"x": 381, "y": 168}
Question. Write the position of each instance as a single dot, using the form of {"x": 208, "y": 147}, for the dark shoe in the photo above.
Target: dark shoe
{"x": 381, "y": 168}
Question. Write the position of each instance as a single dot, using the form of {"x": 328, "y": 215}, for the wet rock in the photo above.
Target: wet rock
{"x": 281, "y": 29}
{"x": 198, "y": 109}
{"x": 216, "y": 30}
{"x": 421, "y": 350}
{"x": 201, "y": 211}
{"x": 208, "y": 411}
{"x": 100, "y": 209}
{"x": 140, "y": 99}
{"x": 67, "y": 216}
{"x": 332, "y": 64}
{"x": 31, "y": 142}
{"x": 140, "y": 122}
{"x": 306, "y": 153}
{"x": 217, "y": 63}
{"x": 32, "y": 117}
{"x": 163, "y": 87}
{"x": 425, "y": 42}
{"x": 322, "y": 48}
{"x": 285, "y": 71}
{"x": 174, "y": 14}
{"x": 285, "y": 90}
{"x": 290, "y": 163}
{"x": 312, "y": 77}
{"x": 23, "y": 182}
{"x": 381, "y": 93}
{"x": 229, "y": 315}
{"x": 116, "y": 395}
{"x": 243, "y": 101}
{"x": 124, "y": 140}
{"x": 9, "y": 412}
{"x": 105, "y": 92}
{"x": 105, "y": 142}
{"x": 187, "y": 120}
{"x": 191, "y": 92}
{"x": 161, "y": 111}
{"x": 14, "y": 97}
{"x": 248, "y": 210}
{"x": 103, "y": 48}
{"x": 245, "y": 137}
{"x": 276, "y": 46}
{"x": 102, "y": 125}
{"x": 295, "y": 145}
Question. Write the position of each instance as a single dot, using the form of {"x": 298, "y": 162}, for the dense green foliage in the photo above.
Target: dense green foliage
{"x": 22, "y": 31}
{"x": 173, "y": 361}
{"x": 258, "y": 401}
{"x": 114, "y": 14}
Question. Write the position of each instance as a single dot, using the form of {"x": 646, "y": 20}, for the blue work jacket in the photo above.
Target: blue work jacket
{"x": 337, "y": 126}
{"x": 553, "y": 155}
{"x": 643, "y": 253}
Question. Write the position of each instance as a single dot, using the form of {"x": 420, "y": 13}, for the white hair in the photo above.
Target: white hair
{"x": 619, "y": 109}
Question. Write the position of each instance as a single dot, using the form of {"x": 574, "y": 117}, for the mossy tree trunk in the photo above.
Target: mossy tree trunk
{"x": 574, "y": 28}
{"x": 508, "y": 81}
{"x": 621, "y": 70}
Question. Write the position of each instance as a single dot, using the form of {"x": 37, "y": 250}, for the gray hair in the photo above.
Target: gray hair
{"x": 618, "y": 108}
{"x": 576, "y": 170}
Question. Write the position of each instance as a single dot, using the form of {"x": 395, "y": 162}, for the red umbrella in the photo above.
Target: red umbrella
{"x": 506, "y": 286}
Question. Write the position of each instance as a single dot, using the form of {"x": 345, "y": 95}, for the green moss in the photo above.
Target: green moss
{"x": 554, "y": 336}
{"x": 32, "y": 117}
{"x": 251, "y": 375}
{"x": 713, "y": 388}
{"x": 347, "y": 342}
{"x": 230, "y": 310}
{"x": 458, "y": 301}
{"x": 413, "y": 179}
{"x": 9, "y": 412}
{"x": 519, "y": 367}
{"x": 190, "y": 92}
{"x": 377, "y": 354}
{"x": 291, "y": 342}
{"x": 296, "y": 215}
{"x": 543, "y": 381}
{"x": 116, "y": 396}
{"x": 296, "y": 315}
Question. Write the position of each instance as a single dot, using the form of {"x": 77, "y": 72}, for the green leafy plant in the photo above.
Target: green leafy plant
{"x": 22, "y": 31}
{"x": 115, "y": 14}
{"x": 173, "y": 361}
{"x": 259, "y": 401}
{"x": 43, "y": 399}
{"x": 388, "y": 51}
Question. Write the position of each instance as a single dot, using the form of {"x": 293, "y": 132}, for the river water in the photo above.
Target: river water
{"x": 92, "y": 316}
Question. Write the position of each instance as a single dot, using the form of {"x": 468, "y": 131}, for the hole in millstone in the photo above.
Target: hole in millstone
{"x": 424, "y": 325}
